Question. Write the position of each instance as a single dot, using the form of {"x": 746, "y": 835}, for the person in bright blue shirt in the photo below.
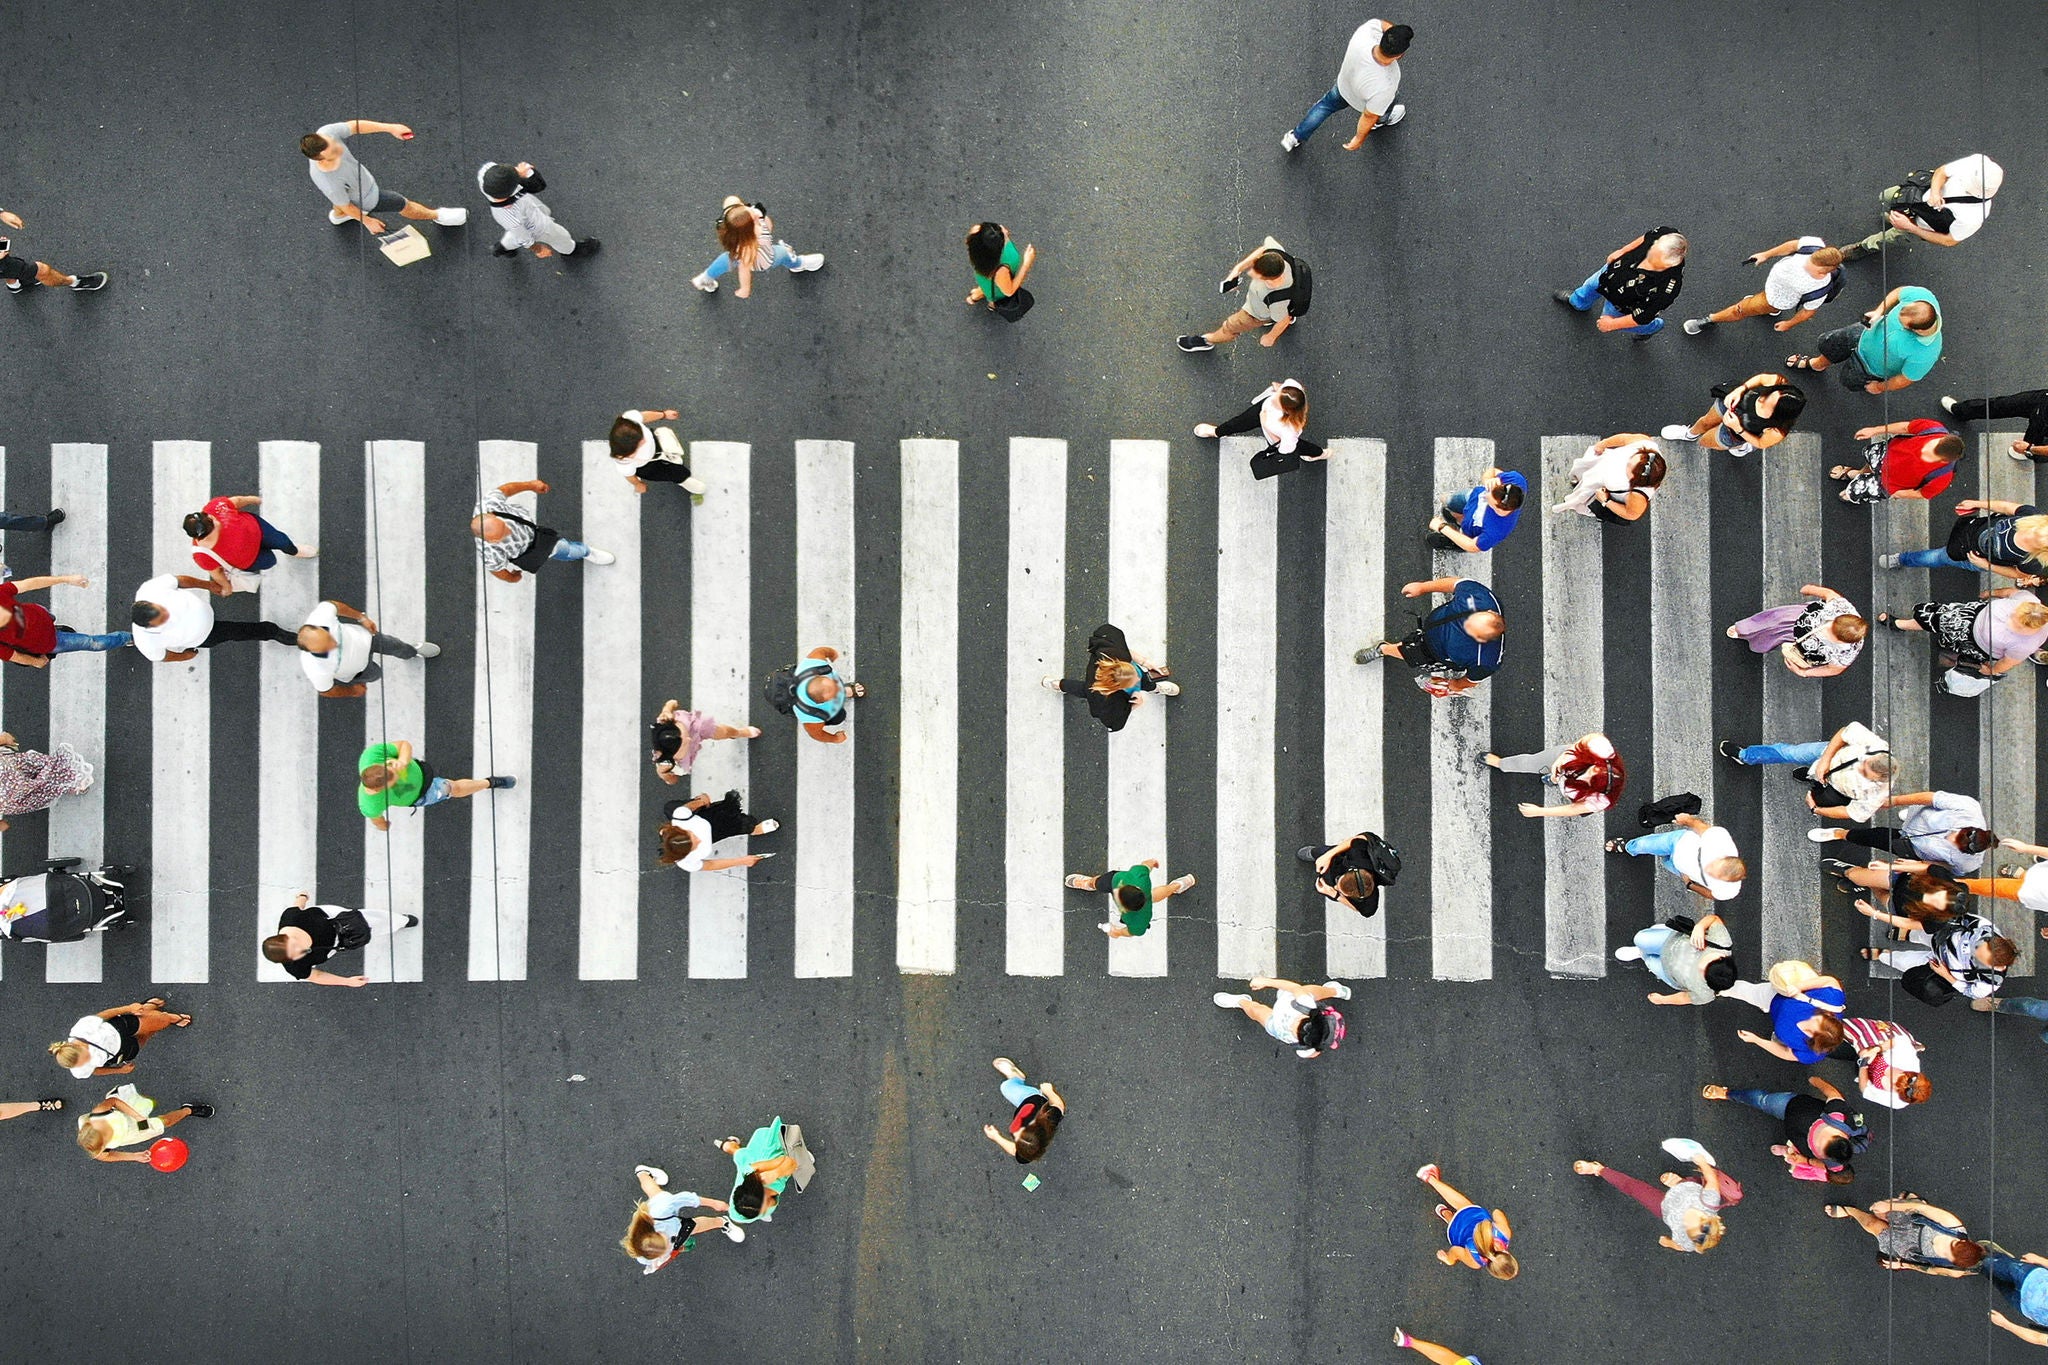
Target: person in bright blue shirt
{"x": 1478, "y": 520}
{"x": 2022, "y": 1281}
{"x": 1896, "y": 343}
{"x": 1458, "y": 643}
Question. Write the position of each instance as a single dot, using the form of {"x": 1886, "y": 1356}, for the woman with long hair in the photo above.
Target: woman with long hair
{"x": 1816, "y": 639}
{"x": 1037, "y": 1111}
{"x": 124, "y": 1119}
{"x": 999, "y": 269}
{"x": 746, "y": 238}
{"x": 1479, "y": 1237}
{"x": 1300, "y": 1016}
{"x": 689, "y": 829}
{"x": 2006, "y": 538}
{"x": 648, "y": 454}
{"x": 655, "y": 1236}
{"x": 1115, "y": 680}
{"x": 763, "y": 1166}
{"x": 1989, "y": 635}
{"x": 1753, "y": 415}
{"x": 1280, "y": 414}
{"x": 107, "y": 1043}
{"x": 1615, "y": 479}
{"x": 677, "y": 736}
{"x": 1689, "y": 1206}
{"x": 31, "y": 780}
{"x": 1588, "y": 772}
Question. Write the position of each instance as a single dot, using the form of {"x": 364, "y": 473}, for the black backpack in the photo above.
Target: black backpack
{"x": 1300, "y": 293}
{"x": 1384, "y": 858}
{"x": 779, "y": 690}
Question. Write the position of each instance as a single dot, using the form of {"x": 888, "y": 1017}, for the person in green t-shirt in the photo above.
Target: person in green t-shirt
{"x": 388, "y": 777}
{"x": 1131, "y": 896}
{"x": 999, "y": 267}
{"x": 1896, "y": 343}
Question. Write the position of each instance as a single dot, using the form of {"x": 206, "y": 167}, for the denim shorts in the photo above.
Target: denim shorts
{"x": 437, "y": 791}
{"x": 388, "y": 201}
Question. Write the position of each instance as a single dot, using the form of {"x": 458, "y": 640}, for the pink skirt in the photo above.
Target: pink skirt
{"x": 696, "y": 727}
{"x": 1770, "y": 628}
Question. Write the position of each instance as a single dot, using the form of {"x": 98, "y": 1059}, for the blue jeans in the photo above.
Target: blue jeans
{"x": 71, "y": 642}
{"x": 566, "y": 548}
{"x": 782, "y": 256}
{"x": 1772, "y": 1102}
{"x": 1317, "y": 113}
{"x": 1762, "y": 755}
{"x": 2007, "y": 1274}
{"x": 1587, "y": 294}
{"x": 2033, "y": 1007}
{"x": 1936, "y": 558}
{"x": 1658, "y": 846}
{"x": 273, "y": 541}
{"x": 1016, "y": 1092}
{"x": 21, "y": 521}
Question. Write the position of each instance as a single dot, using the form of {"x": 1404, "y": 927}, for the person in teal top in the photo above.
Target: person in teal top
{"x": 999, "y": 267}
{"x": 1896, "y": 344}
{"x": 389, "y": 778}
{"x": 1131, "y": 896}
{"x": 762, "y": 1170}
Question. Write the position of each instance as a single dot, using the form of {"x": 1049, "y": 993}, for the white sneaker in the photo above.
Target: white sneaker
{"x": 733, "y": 1231}
{"x": 1288, "y": 141}
{"x": 708, "y": 285}
{"x": 1628, "y": 953}
{"x": 767, "y": 827}
{"x": 1168, "y": 688}
{"x": 1394, "y": 116}
{"x": 428, "y": 649}
{"x": 660, "y": 1176}
{"x": 1107, "y": 928}
{"x": 1679, "y": 432}
{"x": 693, "y": 484}
{"x": 1887, "y": 561}
{"x": 602, "y": 557}
{"x": 1226, "y": 1001}
{"x": 1825, "y": 836}
{"x": 451, "y": 217}
{"x": 1205, "y": 430}
{"x": 1343, "y": 991}
{"x": 307, "y": 552}
{"x": 814, "y": 260}
{"x": 1051, "y": 683}
{"x": 1694, "y": 326}
{"x": 336, "y": 217}
{"x": 1685, "y": 1149}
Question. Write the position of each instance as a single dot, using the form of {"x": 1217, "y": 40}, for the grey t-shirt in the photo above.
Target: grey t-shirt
{"x": 1684, "y": 967}
{"x": 351, "y": 181}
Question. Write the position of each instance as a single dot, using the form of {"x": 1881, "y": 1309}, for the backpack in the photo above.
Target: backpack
{"x": 782, "y": 690}
{"x": 779, "y": 689}
{"x": 1384, "y": 857}
{"x": 1853, "y": 1128}
{"x": 1299, "y": 294}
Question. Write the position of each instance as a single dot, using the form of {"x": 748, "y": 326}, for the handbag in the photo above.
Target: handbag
{"x": 1014, "y": 306}
{"x": 1962, "y": 537}
{"x": 544, "y": 541}
{"x": 404, "y": 246}
{"x": 1911, "y": 200}
{"x": 1966, "y": 682}
{"x": 1663, "y": 810}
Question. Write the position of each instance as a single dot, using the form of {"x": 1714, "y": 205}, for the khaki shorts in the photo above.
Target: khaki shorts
{"x": 1237, "y": 324}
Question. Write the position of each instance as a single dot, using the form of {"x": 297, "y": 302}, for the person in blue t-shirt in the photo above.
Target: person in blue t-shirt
{"x": 1458, "y": 644}
{"x": 2025, "y": 1287}
{"x": 1478, "y": 520}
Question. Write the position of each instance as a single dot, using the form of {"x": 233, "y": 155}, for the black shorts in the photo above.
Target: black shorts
{"x": 662, "y": 471}
{"x": 1839, "y": 346}
{"x": 129, "y": 1027}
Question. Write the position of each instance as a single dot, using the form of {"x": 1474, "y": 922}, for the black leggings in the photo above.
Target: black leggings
{"x": 1245, "y": 421}
{"x": 1882, "y": 838}
{"x": 227, "y": 632}
{"x": 2031, "y": 404}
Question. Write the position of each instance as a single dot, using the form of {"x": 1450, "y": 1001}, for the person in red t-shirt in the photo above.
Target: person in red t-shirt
{"x": 1913, "y": 459}
{"x": 226, "y": 536}
{"x": 29, "y": 635}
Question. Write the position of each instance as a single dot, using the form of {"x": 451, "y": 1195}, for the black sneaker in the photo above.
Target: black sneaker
{"x": 86, "y": 284}
{"x": 586, "y": 246}
{"x": 1194, "y": 344}
{"x": 53, "y": 518}
{"x": 1564, "y": 296}
{"x": 1836, "y": 866}
{"x": 1730, "y": 750}
{"x": 1306, "y": 853}
{"x": 14, "y": 287}
{"x": 410, "y": 921}
{"x": 502, "y": 783}
{"x": 500, "y": 249}
{"x": 200, "y": 1111}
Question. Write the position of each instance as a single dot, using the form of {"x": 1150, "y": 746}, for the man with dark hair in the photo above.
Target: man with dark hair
{"x": 1131, "y": 895}
{"x": 1635, "y": 284}
{"x": 351, "y": 188}
{"x": 528, "y": 222}
{"x": 1367, "y": 81}
{"x": 174, "y": 620}
{"x": 1912, "y": 458}
{"x": 1348, "y": 873}
{"x": 1896, "y": 343}
{"x": 1945, "y": 829}
{"x": 1693, "y": 959}
{"x": 1458, "y": 644}
{"x": 1480, "y": 518}
{"x": 1276, "y": 293}
{"x": 388, "y": 776}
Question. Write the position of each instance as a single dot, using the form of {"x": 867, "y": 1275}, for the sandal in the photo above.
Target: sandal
{"x": 1799, "y": 362}
{"x": 1842, "y": 471}
{"x": 1615, "y": 846}
{"x": 155, "y": 1002}
{"x": 181, "y": 1021}
{"x": 1834, "y": 1210}
{"x": 49, "y": 1106}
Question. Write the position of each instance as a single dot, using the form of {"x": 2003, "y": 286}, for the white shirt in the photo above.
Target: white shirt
{"x": 1790, "y": 280}
{"x": 1695, "y": 850}
{"x": 1899, "y": 1054}
{"x": 1256, "y": 290}
{"x": 524, "y": 219}
{"x": 1274, "y": 421}
{"x": 188, "y": 619}
{"x": 700, "y": 827}
{"x": 643, "y": 452}
{"x": 1976, "y": 175}
{"x": 1366, "y": 85}
{"x": 1864, "y": 794}
{"x": 2034, "y": 887}
{"x": 102, "y": 1036}
{"x": 349, "y": 657}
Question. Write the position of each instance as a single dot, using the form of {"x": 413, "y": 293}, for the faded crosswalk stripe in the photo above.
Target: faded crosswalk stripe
{"x": 78, "y": 709}
{"x": 1460, "y": 731}
{"x": 1137, "y": 754}
{"x": 1789, "y": 893}
{"x": 1354, "y": 618}
{"x": 608, "y": 889}
{"x": 1034, "y": 771}
{"x": 1574, "y": 703}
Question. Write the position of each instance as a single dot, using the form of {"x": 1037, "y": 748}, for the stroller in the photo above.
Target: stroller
{"x": 58, "y": 905}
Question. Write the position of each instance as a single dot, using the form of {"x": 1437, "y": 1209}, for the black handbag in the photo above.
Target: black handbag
{"x": 1014, "y": 306}
{"x": 1962, "y": 537}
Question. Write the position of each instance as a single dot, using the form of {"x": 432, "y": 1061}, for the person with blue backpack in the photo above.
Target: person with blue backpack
{"x": 1821, "y": 1131}
{"x": 813, "y": 691}
{"x": 1808, "y": 273}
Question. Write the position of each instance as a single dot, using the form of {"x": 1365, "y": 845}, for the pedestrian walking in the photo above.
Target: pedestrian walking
{"x": 30, "y": 635}
{"x": 14, "y": 1109}
{"x": 1279, "y": 413}
{"x": 689, "y": 829}
{"x": 1913, "y": 894}
{"x": 1481, "y": 517}
{"x": 1588, "y": 773}
{"x": 1479, "y": 1237}
{"x": 678, "y": 736}
{"x": 1131, "y": 895}
{"x": 1298, "y": 1016}
{"x": 1895, "y": 345}
{"x": 2025, "y": 1288}
{"x": 308, "y": 935}
{"x": 127, "y": 1117}
{"x": 1694, "y": 958}
{"x": 389, "y": 778}
{"x": 1816, "y": 639}
{"x": 512, "y": 543}
{"x": 513, "y": 191}
{"x": 1808, "y": 274}
{"x": 1701, "y": 855}
{"x": 173, "y": 620}
{"x": 1963, "y": 955}
{"x": 232, "y": 544}
{"x": 1115, "y": 680}
{"x": 655, "y": 1235}
{"x": 1855, "y": 763}
{"x": 1689, "y": 1206}
{"x": 58, "y": 905}
{"x": 1822, "y": 1131}
{"x": 1367, "y": 81}
{"x": 1945, "y": 206}
{"x": 336, "y": 643}
{"x": 648, "y": 454}
{"x": 1805, "y": 1007}
{"x": 1888, "y": 1070}
{"x": 32, "y": 521}
{"x": 1353, "y": 872}
{"x": 772, "y": 1156}
{"x": 1942, "y": 828}
{"x": 815, "y": 692}
{"x": 19, "y": 272}
{"x": 746, "y": 238}
{"x": 1915, "y": 1235}
{"x": 1907, "y": 460}
{"x": 352, "y": 189}
{"x": 1278, "y": 288}
{"x": 1615, "y": 479}
{"x": 31, "y": 780}
{"x": 1753, "y": 415}
{"x": 1037, "y": 1112}
{"x": 1988, "y": 636}
{"x": 1457, "y": 646}
{"x": 2027, "y": 1006}
{"x": 999, "y": 271}
{"x": 2031, "y": 405}
{"x": 1634, "y": 284}
{"x": 2027, "y": 887}
{"x": 107, "y": 1043}
{"x": 1431, "y": 1351}
{"x": 2009, "y": 539}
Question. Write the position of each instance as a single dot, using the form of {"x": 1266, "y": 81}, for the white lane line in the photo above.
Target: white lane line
{"x": 824, "y": 772}
{"x": 500, "y": 849}
{"x": 1790, "y": 893}
{"x": 1137, "y": 753}
{"x": 1900, "y": 682}
{"x": 929, "y": 721}
{"x": 2006, "y": 716}
{"x": 608, "y": 916}
{"x": 721, "y": 581}
{"x": 395, "y": 559}
{"x": 1354, "y": 618}
{"x": 1574, "y": 703}
{"x": 78, "y": 709}
{"x": 1247, "y": 631}
{"x": 180, "y": 738}
{"x": 288, "y": 710}
{"x": 1681, "y": 646}
{"x": 1460, "y": 730}
{"x": 1034, "y": 761}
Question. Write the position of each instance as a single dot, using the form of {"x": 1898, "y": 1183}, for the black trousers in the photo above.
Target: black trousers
{"x": 227, "y": 632}
{"x": 2031, "y": 404}
{"x": 1883, "y": 839}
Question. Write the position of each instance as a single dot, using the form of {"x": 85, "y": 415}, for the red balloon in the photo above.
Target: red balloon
{"x": 168, "y": 1153}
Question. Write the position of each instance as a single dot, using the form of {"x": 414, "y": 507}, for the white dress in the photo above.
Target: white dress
{"x": 1598, "y": 469}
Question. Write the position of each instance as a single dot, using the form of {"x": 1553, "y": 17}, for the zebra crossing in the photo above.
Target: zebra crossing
{"x": 1238, "y": 938}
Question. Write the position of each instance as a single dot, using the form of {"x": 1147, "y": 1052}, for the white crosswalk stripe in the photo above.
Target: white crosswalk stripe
{"x": 2007, "y": 722}
{"x": 1246, "y": 684}
{"x": 1789, "y": 892}
{"x": 721, "y": 632}
{"x": 501, "y": 821}
{"x": 927, "y": 840}
{"x": 394, "y": 862}
{"x": 1137, "y": 755}
{"x": 288, "y": 721}
{"x": 824, "y": 772}
{"x": 1574, "y": 703}
{"x": 1461, "y": 801}
{"x": 1681, "y": 646}
{"x": 1034, "y": 774}
{"x": 608, "y": 916}
{"x": 1354, "y": 618}
{"x": 1900, "y": 672}
{"x": 181, "y": 741}
{"x": 78, "y": 709}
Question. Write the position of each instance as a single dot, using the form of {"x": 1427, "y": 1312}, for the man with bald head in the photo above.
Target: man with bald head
{"x": 512, "y": 543}
{"x": 1896, "y": 343}
{"x": 1458, "y": 645}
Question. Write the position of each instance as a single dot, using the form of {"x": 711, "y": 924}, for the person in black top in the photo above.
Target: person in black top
{"x": 19, "y": 272}
{"x": 307, "y": 935}
{"x": 1638, "y": 282}
{"x": 1745, "y": 418}
{"x": 1116, "y": 679}
{"x": 1351, "y": 873}
{"x": 1823, "y": 1130}
{"x": 2031, "y": 404}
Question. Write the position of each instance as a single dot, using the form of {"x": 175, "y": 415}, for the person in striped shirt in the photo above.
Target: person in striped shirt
{"x": 1887, "y": 1062}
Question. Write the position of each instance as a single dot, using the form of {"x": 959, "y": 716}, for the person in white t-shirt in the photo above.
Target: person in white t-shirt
{"x": 173, "y": 620}
{"x": 1701, "y": 855}
{"x": 1808, "y": 273}
{"x": 1367, "y": 81}
{"x": 335, "y": 645}
{"x": 648, "y": 454}
{"x": 1947, "y": 210}
{"x": 1280, "y": 414}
